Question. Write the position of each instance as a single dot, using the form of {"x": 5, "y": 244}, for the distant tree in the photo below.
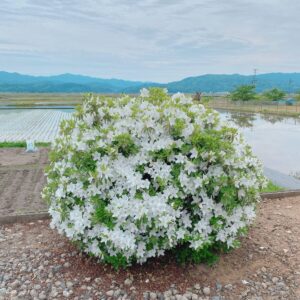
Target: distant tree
{"x": 243, "y": 93}
{"x": 197, "y": 96}
{"x": 274, "y": 94}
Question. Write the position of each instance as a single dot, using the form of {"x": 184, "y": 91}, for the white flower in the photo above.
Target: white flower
{"x": 89, "y": 119}
{"x": 194, "y": 153}
{"x": 187, "y": 131}
{"x": 60, "y": 192}
{"x": 144, "y": 93}
{"x": 178, "y": 96}
{"x": 180, "y": 233}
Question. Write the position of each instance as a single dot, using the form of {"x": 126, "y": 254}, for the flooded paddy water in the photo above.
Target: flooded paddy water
{"x": 274, "y": 139}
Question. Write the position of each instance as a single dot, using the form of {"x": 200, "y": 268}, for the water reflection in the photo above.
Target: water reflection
{"x": 242, "y": 120}
{"x": 272, "y": 118}
{"x": 274, "y": 139}
{"x": 247, "y": 120}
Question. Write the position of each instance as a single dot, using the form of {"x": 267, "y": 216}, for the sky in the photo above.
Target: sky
{"x": 149, "y": 40}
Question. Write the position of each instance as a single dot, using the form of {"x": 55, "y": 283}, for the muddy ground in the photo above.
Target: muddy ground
{"x": 21, "y": 181}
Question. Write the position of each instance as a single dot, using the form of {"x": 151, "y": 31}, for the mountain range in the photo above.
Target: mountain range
{"x": 72, "y": 83}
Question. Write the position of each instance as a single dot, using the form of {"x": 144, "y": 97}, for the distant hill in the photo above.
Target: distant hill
{"x": 71, "y": 83}
{"x": 226, "y": 83}
{"x": 15, "y": 82}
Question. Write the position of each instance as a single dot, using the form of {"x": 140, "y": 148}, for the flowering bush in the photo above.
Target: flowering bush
{"x": 130, "y": 178}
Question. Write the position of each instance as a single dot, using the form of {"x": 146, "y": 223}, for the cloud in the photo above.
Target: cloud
{"x": 149, "y": 40}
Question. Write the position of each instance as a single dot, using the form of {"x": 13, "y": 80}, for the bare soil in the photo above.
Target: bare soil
{"x": 21, "y": 181}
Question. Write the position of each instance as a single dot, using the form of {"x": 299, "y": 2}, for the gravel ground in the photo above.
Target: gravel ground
{"x": 37, "y": 263}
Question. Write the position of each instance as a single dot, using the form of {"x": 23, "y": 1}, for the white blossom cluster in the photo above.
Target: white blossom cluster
{"x": 135, "y": 176}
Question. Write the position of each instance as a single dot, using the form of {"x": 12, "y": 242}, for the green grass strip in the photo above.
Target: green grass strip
{"x": 272, "y": 188}
{"x": 21, "y": 144}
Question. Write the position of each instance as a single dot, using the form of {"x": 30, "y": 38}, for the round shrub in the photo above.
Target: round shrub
{"x": 132, "y": 177}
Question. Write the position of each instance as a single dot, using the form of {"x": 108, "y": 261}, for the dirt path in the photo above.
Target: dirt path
{"x": 21, "y": 181}
{"x": 37, "y": 263}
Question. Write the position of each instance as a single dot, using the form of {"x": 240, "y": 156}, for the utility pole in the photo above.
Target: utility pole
{"x": 290, "y": 86}
{"x": 254, "y": 80}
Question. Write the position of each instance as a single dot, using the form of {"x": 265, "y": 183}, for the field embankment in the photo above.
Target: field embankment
{"x": 31, "y": 100}
{"x": 255, "y": 107}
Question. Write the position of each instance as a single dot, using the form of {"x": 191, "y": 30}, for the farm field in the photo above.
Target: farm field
{"x": 40, "y": 99}
{"x": 43, "y": 99}
{"x": 73, "y": 99}
{"x": 260, "y": 130}
{"x": 21, "y": 181}
{"x": 255, "y": 107}
{"x": 41, "y": 125}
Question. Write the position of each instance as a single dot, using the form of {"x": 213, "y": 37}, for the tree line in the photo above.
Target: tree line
{"x": 248, "y": 93}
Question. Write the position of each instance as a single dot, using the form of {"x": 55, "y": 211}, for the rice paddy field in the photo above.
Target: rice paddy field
{"x": 40, "y": 125}
{"x": 256, "y": 106}
{"x": 39, "y": 99}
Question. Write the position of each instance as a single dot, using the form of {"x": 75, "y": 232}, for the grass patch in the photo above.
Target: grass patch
{"x": 272, "y": 188}
{"x": 21, "y": 144}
